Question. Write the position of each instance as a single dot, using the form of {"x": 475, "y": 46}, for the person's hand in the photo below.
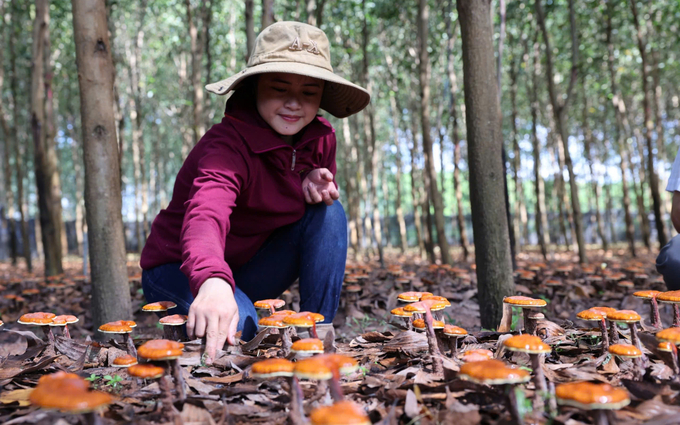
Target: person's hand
{"x": 213, "y": 314}
{"x": 318, "y": 186}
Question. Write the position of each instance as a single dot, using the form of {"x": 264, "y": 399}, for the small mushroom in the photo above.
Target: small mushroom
{"x": 307, "y": 346}
{"x": 125, "y": 361}
{"x": 304, "y": 319}
{"x": 337, "y": 364}
{"x": 526, "y": 303}
{"x": 626, "y": 351}
{"x": 595, "y": 316}
{"x": 173, "y": 326}
{"x": 496, "y": 372}
{"x": 613, "y": 329}
{"x": 276, "y": 322}
{"x": 342, "y": 412}
{"x": 269, "y": 304}
{"x": 424, "y": 307}
{"x": 170, "y": 351}
{"x": 598, "y": 398}
{"x": 453, "y": 333}
{"x": 160, "y": 307}
{"x": 651, "y": 296}
{"x": 669, "y": 347}
{"x": 629, "y": 317}
{"x": 476, "y": 355}
{"x": 272, "y": 368}
{"x": 406, "y": 315}
{"x": 152, "y": 371}
{"x": 671, "y": 297}
{"x": 64, "y": 321}
{"x": 43, "y": 320}
{"x": 535, "y": 348}
{"x": 671, "y": 335}
{"x": 121, "y": 327}
{"x": 68, "y": 392}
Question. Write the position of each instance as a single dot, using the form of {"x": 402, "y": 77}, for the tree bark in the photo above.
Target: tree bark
{"x": 17, "y": 145}
{"x": 588, "y": 143}
{"x": 619, "y": 111}
{"x": 396, "y": 112}
{"x": 520, "y": 221}
{"x": 267, "y": 13}
{"x": 7, "y": 149}
{"x": 649, "y": 128}
{"x": 110, "y": 289}
{"x": 492, "y": 246}
{"x": 424, "y": 71}
{"x": 640, "y": 185}
{"x": 560, "y": 106}
{"x": 196, "y": 39}
{"x": 42, "y": 126}
{"x": 539, "y": 185}
{"x": 250, "y": 27}
{"x": 351, "y": 187}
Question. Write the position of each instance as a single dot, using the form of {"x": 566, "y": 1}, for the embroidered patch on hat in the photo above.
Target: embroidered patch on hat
{"x": 298, "y": 46}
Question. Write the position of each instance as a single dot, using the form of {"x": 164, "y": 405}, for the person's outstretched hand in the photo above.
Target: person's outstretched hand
{"x": 318, "y": 186}
{"x": 213, "y": 314}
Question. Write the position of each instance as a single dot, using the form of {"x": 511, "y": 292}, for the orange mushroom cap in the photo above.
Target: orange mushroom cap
{"x": 451, "y": 330}
{"x": 269, "y": 303}
{"x": 271, "y": 368}
{"x": 159, "y": 306}
{"x": 307, "y": 346}
{"x": 493, "y": 372}
{"x": 670, "y": 335}
{"x": 340, "y": 413}
{"x": 68, "y": 392}
{"x": 400, "y": 312}
{"x": 436, "y": 298}
{"x": 304, "y": 319}
{"x": 647, "y": 295}
{"x": 526, "y": 343}
{"x": 63, "y": 320}
{"x": 476, "y": 355}
{"x": 125, "y": 361}
{"x": 117, "y": 327}
{"x": 160, "y": 349}
{"x": 420, "y": 324}
{"x": 590, "y": 396}
{"x": 672, "y": 297}
{"x": 341, "y": 362}
{"x": 591, "y": 315}
{"x": 624, "y": 316}
{"x": 603, "y": 310}
{"x": 526, "y": 302}
{"x": 665, "y": 346}
{"x": 275, "y": 321}
{"x": 146, "y": 371}
{"x": 37, "y": 319}
{"x": 411, "y": 296}
{"x": 313, "y": 368}
{"x": 173, "y": 320}
{"x": 625, "y": 350}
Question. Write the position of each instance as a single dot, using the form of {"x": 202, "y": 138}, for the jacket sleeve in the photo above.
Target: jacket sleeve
{"x": 221, "y": 174}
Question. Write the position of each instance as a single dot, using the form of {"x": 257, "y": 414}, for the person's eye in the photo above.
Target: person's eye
{"x": 307, "y": 93}
{"x": 278, "y": 89}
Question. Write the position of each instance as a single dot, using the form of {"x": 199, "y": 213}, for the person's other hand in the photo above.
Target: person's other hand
{"x": 214, "y": 314}
{"x": 318, "y": 187}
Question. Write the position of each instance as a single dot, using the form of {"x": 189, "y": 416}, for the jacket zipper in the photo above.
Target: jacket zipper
{"x": 292, "y": 165}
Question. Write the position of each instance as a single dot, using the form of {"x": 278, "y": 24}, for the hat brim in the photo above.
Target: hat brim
{"x": 340, "y": 97}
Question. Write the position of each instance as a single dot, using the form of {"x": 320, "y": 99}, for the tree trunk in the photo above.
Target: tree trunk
{"x": 539, "y": 185}
{"x": 267, "y": 13}
{"x": 351, "y": 187}
{"x": 250, "y": 27}
{"x": 649, "y": 128}
{"x": 560, "y": 105}
{"x": 417, "y": 219}
{"x": 619, "y": 110}
{"x": 386, "y": 202}
{"x": 396, "y": 111}
{"x": 640, "y": 185}
{"x": 424, "y": 71}
{"x": 485, "y": 142}
{"x": 76, "y": 148}
{"x": 453, "y": 120}
{"x": 197, "y": 127}
{"x": 17, "y": 145}
{"x": 588, "y": 143}
{"x": 7, "y": 149}
{"x": 42, "y": 126}
{"x": 370, "y": 140}
{"x": 110, "y": 288}
{"x": 562, "y": 200}
{"x": 424, "y": 235}
{"x": 520, "y": 221}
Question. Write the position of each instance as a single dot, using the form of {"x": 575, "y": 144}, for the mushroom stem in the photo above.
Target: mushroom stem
{"x": 453, "y": 346}
{"x": 408, "y": 322}
{"x": 639, "y": 361}
{"x": 92, "y": 418}
{"x": 66, "y": 334}
{"x": 297, "y": 413}
{"x": 437, "y": 366}
{"x": 600, "y": 417}
{"x": 132, "y": 350}
{"x": 312, "y": 331}
{"x": 613, "y": 332}
{"x": 286, "y": 342}
{"x": 529, "y": 323}
{"x": 674, "y": 359}
{"x": 179, "y": 379}
{"x": 167, "y": 409}
{"x": 656, "y": 318}
{"x": 336, "y": 389}
{"x": 605, "y": 336}
{"x": 676, "y": 315}
{"x": 539, "y": 378}
{"x": 513, "y": 405}
{"x": 272, "y": 310}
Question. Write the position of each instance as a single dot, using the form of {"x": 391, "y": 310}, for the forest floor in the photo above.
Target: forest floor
{"x": 395, "y": 382}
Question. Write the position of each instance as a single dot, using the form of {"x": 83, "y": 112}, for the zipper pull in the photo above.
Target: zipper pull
{"x": 292, "y": 165}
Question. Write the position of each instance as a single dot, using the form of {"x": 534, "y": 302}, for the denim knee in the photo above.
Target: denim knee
{"x": 668, "y": 263}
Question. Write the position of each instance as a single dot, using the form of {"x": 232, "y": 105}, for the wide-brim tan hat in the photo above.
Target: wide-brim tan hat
{"x": 302, "y": 49}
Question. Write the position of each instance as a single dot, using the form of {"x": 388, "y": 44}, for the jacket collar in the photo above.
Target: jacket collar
{"x": 242, "y": 114}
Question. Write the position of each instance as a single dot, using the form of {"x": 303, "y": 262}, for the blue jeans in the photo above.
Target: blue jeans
{"x": 313, "y": 249}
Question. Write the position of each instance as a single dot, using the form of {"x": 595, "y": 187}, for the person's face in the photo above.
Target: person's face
{"x": 288, "y": 102}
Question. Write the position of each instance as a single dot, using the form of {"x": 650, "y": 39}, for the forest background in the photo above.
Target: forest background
{"x": 605, "y": 84}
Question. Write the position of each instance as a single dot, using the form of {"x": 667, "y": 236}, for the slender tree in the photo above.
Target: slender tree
{"x": 560, "y": 106}
{"x": 42, "y": 127}
{"x": 492, "y": 246}
{"x": 110, "y": 288}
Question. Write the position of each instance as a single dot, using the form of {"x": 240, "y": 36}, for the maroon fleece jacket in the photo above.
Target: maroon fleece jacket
{"x": 238, "y": 184}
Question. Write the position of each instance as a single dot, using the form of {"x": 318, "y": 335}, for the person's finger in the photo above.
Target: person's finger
{"x": 199, "y": 326}
{"x": 305, "y": 190}
{"x": 233, "y": 326}
{"x": 327, "y": 175}
{"x": 335, "y": 195}
{"x": 314, "y": 194}
{"x": 211, "y": 336}
{"x": 326, "y": 197}
{"x": 191, "y": 322}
